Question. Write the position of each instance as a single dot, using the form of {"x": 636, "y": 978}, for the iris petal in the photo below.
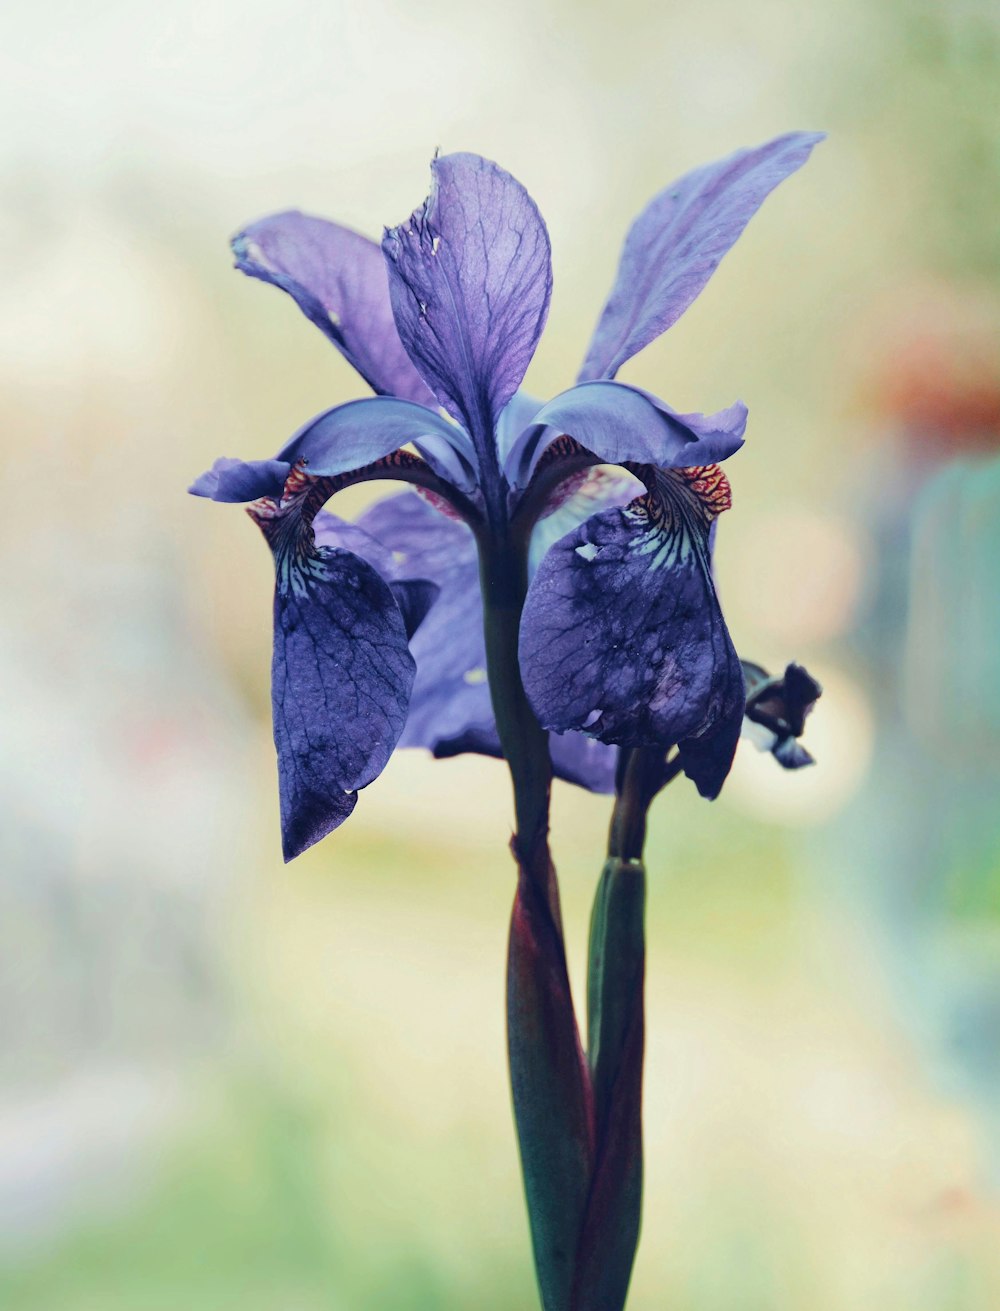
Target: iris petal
{"x": 341, "y": 673}
{"x": 622, "y": 635}
{"x": 576, "y": 758}
{"x": 233, "y": 481}
{"x": 470, "y": 279}
{"x": 348, "y": 443}
{"x": 575, "y": 499}
{"x": 414, "y": 596}
{"x": 676, "y": 243}
{"x": 360, "y": 432}
{"x": 450, "y": 693}
{"x": 338, "y": 279}
{"x": 450, "y": 708}
{"x": 515, "y": 416}
{"x": 622, "y": 424}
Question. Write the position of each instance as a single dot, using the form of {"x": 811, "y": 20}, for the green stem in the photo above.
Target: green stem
{"x": 615, "y": 1020}
{"x": 503, "y": 567}
{"x": 550, "y": 1085}
{"x": 627, "y": 835}
{"x": 641, "y": 775}
{"x": 615, "y": 1041}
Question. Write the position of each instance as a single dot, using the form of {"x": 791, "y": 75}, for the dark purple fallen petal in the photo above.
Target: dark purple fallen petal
{"x": 623, "y": 425}
{"x": 338, "y": 279}
{"x": 676, "y": 243}
{"x": 791, "y": 754}
{"x": 469, "y": 279}
{"x": 341, "y": 673}
{"x": 622, "y": 635}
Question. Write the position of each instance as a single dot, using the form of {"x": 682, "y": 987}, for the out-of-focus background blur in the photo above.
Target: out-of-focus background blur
{"x": 229, "y": 1084}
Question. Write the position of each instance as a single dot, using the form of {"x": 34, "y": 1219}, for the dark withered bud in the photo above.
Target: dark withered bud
{"x": 776, "y": 711}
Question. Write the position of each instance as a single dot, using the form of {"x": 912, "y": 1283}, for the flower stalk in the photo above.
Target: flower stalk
{"x": 503, "y": 572}
{"x": 550, "y": 1084}
{"x": 525, "y": 603}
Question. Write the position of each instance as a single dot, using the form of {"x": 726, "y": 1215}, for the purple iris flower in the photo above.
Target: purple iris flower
{"x": 378, "y": 626}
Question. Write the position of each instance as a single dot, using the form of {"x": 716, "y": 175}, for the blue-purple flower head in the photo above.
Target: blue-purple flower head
{"x": 378, "y": 625}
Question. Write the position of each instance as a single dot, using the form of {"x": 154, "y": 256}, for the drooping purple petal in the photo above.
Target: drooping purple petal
{"x": 340, "y": 680}
{"x": 341, "y": 673}
{"x": 450, "y": 709}
{"x": 707, "y": 758}
{"x": 676, "y": 243}
{"x": 469, "y": 279}
{"x": 622, "y": 636}
{"x": 622, "y": 424}
{"x": 338, "y": 279}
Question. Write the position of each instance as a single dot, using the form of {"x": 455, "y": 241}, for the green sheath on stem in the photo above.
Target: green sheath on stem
{"x": 615, "y": 1007}
{"x": 553, "y": 1106}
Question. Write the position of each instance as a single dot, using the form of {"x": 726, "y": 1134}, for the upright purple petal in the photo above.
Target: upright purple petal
{"x": 676, "y": 243}
{"x": 338, "y": 280}
{"x": 622, "y": 636}
{"x": 626, "y": 425}
{"x": 341, "y": 673}
{"x": 470, "y": 278}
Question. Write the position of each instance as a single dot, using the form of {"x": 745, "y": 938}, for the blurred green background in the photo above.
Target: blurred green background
{"x": 229, "y": 1084}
